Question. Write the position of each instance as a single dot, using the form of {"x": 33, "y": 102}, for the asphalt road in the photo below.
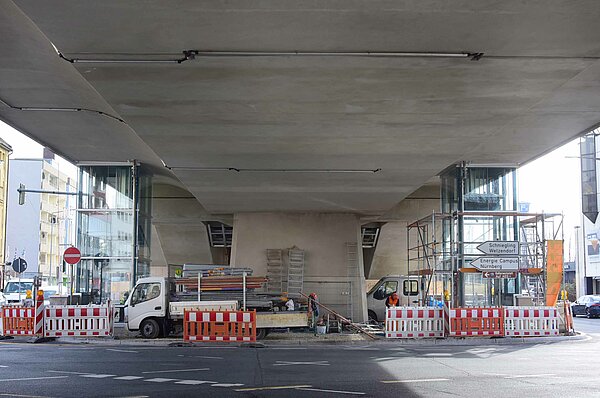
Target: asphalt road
{"x": 565, "y": 368}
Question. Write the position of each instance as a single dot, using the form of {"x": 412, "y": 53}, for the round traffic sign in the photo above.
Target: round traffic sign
{"x": 72, "y": 255}
{"x": 19, "y": 265}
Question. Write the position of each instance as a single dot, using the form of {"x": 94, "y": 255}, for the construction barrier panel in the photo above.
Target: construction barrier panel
{"x": 413, "y": 322}
{"x": 219, "y": 326}
{"x": 474, "y": 321}
{"x": 531, "y": 321}
{"x": 18, "y": 321}
{"x": 78, "y": 320}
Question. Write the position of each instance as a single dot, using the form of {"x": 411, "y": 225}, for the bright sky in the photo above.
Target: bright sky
{"x": 551, "y": 184}
{"x": 25, "y": 147}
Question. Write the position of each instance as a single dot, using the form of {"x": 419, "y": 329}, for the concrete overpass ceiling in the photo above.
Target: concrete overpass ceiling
{"x": 33, "y": 77}
{"x": 535, "y": 87}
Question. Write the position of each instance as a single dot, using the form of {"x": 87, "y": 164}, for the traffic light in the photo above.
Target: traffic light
{"x": 21, "y": 191}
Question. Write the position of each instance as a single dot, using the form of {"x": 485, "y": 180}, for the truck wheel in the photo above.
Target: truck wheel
{"x": 149, "y": 329}
{"x": 262, "y": 333}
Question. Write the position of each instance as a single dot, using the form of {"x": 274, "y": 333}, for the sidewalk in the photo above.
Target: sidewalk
{"x": 309, "y": 339}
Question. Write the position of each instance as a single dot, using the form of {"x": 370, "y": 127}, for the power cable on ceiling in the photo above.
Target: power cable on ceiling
{"x": 60, "y": 109}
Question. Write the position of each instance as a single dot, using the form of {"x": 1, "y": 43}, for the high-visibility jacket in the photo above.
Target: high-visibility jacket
{"x": 392, "y": 302}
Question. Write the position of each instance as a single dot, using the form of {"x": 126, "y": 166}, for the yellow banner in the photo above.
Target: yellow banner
{"x": 554, "y": 271}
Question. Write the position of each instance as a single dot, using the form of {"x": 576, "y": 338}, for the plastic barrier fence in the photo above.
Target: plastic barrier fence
{"x": 531, "y": 321}
{"x": 411, "y": 322}
{"x": 18, "y": 321}
{"x": 219, "y": 326}
{"x": 78, "y": 320}
{"x": 474, "y": 321}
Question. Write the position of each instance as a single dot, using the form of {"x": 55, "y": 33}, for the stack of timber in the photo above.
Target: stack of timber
{"x": 218, "y": 282}
{"x": 192, "y": 270}
{"x": 221, "y": 283}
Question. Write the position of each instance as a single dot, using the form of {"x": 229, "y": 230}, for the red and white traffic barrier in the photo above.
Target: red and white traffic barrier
{"x": 78, "y": 320}
{"x": 18, "y": 321}
{"x": 219, "y": 326}
{"x": 531, "y": 321}
{"x": 474, "y": 321}
{"x": 413, "y": 322}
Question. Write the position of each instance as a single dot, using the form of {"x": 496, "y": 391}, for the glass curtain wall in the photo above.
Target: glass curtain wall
{"x": 486, "y": 192}
{"x": 112, "y": 240}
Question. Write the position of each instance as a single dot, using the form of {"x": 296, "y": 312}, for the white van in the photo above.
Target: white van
{"x": 406, "y": 287}
{"x": 15, "y": 290}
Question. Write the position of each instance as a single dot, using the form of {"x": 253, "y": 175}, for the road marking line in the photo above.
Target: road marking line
{"x": 3, "y": 366}
{"x": 176, "y": 370}
{"x": 195, "y": 382}
{"x": 159, "y": 380}
{"x": 332, "y": 391}
{"x": 527, "y": 376}
{"x": 412, "y": 381}
{"x": 22, "y": 396}
{"x": 99, "y": 376}
{"x": 226, "y": 385}
{"x": 68, "y": 373}
{"x": 128, "y": 378}
{"x": 136, "y": 396}
{"x": 36, "y": 378}
{"x": 273, "y": 388}
{"x": 288, "y": 363}
{"x": 116, "y": 350}
{"x": 69, "y": 348}
{"x": 207, "y": 357}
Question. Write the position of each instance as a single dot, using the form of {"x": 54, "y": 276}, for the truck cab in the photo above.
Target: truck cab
{"x": 146, "y": 307}
{"x": 406, "y": 287}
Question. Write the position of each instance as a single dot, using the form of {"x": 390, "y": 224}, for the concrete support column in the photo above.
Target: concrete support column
{"x": 323, "y": 237}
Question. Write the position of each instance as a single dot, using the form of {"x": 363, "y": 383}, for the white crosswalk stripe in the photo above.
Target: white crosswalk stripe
{"x": 97, "y": 376}
{"x": 226, "y": 385}
{"x": 129, "y": 378}
{"x": 159, "y": 380}
{"x": 195, "y": 382}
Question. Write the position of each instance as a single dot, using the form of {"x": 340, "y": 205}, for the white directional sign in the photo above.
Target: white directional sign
{"x": 500, "y": 247}
{"x": 496, "y": 263}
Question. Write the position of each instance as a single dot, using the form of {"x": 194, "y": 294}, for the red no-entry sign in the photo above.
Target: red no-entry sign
{"x": 72, "y": 255}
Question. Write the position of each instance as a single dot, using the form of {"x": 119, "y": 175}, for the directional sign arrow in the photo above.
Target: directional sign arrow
{"x": 501, "y": 247}
{"x": 499, "y": 275}
{"x": 496, "y": 263}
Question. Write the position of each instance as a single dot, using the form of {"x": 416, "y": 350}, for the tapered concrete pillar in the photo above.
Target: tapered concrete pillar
{"x": 329, "y": 241}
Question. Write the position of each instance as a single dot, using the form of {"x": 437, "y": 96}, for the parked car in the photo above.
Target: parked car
{"x": 3, "y": 299}
{"x": 588, "y": 305}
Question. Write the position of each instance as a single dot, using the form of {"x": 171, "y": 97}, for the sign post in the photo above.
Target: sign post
{"x": 19, "y": 265}
{"x": 72, "y": 255}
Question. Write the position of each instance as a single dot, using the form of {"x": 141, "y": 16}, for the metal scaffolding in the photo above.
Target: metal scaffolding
{"x": 441, "y": 247}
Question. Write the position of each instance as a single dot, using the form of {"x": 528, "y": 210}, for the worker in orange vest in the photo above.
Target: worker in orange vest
{"x": 392, "y": 300}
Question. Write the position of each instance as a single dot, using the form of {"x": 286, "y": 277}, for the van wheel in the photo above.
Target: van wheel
{"x": 149, "y": 329}
{"x": 372, "y": 317}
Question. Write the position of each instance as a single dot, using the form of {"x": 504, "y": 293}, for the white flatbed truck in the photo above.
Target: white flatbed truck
{"x": 152, "y": 309}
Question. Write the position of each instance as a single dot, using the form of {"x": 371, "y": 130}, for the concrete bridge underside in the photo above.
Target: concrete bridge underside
{"x": 283, "y": 92}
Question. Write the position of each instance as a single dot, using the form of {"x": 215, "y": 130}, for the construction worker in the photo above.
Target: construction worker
{"x": 392, "y": 300}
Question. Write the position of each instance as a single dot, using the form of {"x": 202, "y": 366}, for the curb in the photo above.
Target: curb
{"x": 266, "y": 343}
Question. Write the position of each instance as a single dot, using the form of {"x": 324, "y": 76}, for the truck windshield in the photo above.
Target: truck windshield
{"x": 144, "y": 292}
{"x": 18, "y": 287}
